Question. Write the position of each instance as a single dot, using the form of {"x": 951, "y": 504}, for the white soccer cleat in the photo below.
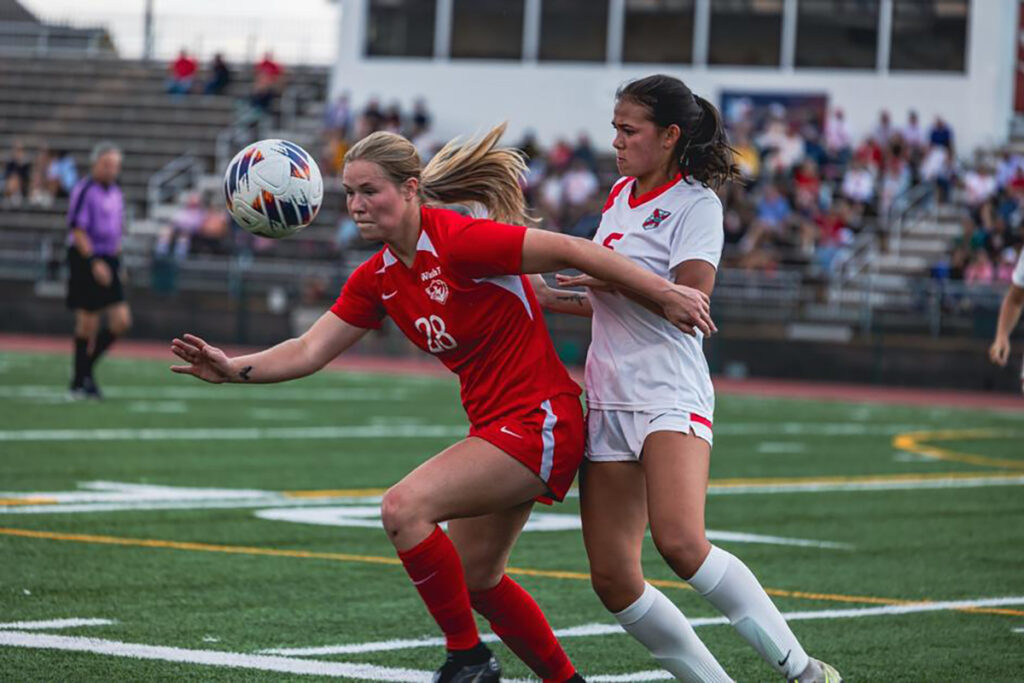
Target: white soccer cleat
{"x": 818, "y": 671}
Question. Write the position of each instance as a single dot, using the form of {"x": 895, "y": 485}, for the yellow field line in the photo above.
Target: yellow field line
{"x": 913, "y": 442}
{"x": 28, "y": 501}
{"x": 376, "y": 559}
{"x": 334, "y": 493}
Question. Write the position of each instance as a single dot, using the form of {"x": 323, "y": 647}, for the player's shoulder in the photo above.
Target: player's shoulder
{"x": 616, "y": 191}
{"x": 688, "y": 192}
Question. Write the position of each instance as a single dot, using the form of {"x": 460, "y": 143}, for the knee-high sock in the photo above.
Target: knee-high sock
{"x": 104, "y": 340}
{"x": 518, "y": 621}
{"x": 436, "y": 571}
{"x": 729, "y": 585}
{"x": 82, "y": 364}
{"x": 660, "y": 627}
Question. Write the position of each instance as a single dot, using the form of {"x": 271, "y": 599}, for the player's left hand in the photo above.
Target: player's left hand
{"x": 688, "y": 309}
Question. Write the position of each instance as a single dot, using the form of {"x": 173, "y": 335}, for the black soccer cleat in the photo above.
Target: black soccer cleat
{"x": 476, "y": 665}
{"x": 90, "y": 390}
{"x": 576, "y": 678}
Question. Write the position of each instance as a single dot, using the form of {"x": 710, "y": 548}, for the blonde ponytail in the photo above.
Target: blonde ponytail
{"x": 475, "y": 171}
{"x": 461, "y": 173}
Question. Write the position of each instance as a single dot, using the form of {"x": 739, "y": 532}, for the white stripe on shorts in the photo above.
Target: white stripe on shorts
{"x": 549, "y": 441}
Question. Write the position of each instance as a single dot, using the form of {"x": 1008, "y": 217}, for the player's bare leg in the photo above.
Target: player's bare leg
{"x": 676, "y": 466}
{"x": 614, "y": 509}
{"x": 469, "y": 479}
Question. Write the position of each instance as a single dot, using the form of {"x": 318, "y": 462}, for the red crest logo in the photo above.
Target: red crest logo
{"x": 655, "y": 219}
{"x": 438, "y": 291}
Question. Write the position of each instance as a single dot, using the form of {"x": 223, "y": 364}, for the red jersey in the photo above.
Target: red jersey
{"x": 465, "y": 300}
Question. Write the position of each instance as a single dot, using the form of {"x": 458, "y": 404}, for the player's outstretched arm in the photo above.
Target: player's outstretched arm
{"x": 685, "y": 307}
{"x": 321, "y": 343}
{"x": 560, "y": 300}
{"x": 1009, "y": 314}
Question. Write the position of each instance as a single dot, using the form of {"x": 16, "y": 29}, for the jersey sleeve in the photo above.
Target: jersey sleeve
{"x": 359, "y": 302}
{"x": 1018, "y": 272}
{"x": 699, "y": 234}
{"x": 480, "y": 248}
{"x": 78, "y": 208}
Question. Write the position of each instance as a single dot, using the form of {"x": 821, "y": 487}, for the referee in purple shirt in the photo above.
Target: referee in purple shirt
{"x": 96, "y": 222}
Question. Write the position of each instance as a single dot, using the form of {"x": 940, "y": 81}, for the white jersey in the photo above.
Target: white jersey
{"x": 1018, "y": 271}
{"x": 638, "y": 361}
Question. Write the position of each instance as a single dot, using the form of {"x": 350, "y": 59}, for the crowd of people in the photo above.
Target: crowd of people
{"x": 991, "y": 196}
{"x": 268, "y": 79}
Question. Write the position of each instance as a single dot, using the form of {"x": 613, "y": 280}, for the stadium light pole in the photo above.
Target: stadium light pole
{"x": 147, "y": 31}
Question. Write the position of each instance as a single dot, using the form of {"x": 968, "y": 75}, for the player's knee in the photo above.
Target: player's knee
{"x": 617, "y": 587}
{"x": 398, "y": 510}
{"x": 684, "y": 550}
{"x": 482, "y": 573}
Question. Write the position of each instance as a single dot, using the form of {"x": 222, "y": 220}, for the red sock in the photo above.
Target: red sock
{"x": 436, "y": 571}
{"x": 520, "y": 624}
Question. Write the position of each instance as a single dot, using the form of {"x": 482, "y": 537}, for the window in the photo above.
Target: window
{"x": 745, "y": 32}
{"x": 487, "y": 29}
{"x": 658, "y": 31}
{"x": 929, "y": 35}
{"x": 400, "y": 28}
{"x": 573, "y": 30}
{"x": 838, "y": 34}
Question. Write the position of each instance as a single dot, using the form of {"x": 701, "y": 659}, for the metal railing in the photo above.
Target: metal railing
{"x": 913, "y": 204}
{"x": 292, "y": 101}
{"x": 178, "y": 175}
{"x": 246, "y": 129}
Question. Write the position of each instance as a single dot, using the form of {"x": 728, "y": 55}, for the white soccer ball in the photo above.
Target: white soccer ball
{"x": 273, "y": 188}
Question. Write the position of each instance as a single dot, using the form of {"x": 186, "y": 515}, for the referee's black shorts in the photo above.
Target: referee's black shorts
{"x": 84, "y": 293}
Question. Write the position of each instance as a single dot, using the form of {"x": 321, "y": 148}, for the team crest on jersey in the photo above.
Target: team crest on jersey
{"x": 655, "y": 219}
{"x": 438, "y": 291}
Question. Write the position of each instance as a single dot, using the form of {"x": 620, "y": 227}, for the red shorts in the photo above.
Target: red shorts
{"x": 548, "y": 440}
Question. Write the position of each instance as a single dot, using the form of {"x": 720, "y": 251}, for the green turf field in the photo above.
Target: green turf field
{"x": 230, "y": 533}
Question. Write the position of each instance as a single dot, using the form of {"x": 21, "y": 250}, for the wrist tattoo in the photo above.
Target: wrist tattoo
{"x": 574, "y": 298}
{"x": 244, "y": 372}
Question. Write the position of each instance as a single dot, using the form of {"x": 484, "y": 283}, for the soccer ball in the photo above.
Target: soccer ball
{"x": 273, "y": 188}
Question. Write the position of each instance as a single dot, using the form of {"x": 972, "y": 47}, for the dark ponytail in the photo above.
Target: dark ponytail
{"x": 703, "y": 150}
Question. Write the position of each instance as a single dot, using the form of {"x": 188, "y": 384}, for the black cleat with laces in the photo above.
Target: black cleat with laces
{"x": 476, "y": 665}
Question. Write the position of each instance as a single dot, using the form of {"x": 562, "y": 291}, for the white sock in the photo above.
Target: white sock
{"x": 726, "y": 583}
{"x": 661, "y": 628}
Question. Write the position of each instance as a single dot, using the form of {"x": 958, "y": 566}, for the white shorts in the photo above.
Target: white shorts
{"x": 619, "y": 435}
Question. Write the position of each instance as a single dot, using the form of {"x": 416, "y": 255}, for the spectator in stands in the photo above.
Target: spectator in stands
{"x": 421, "y": 118}
{"x": 772, "y": 224}
{"x": 980, "y": 270}
{"x": 1006, "y": 266}
{"x": 16, "y": 175}
{"x": 96, "y": 222}
{"x": 338, "y": 117}
{"x": 746, "y": 156}
{"x": 895, "y": 181}
{"x": 858, "y": 183}
{"x": 838, "y": 142}
{"x": 268, "y": 80}
{"x": 941, "y": 135}
{"x": 39, "y": 193}
{"x": 393, "y": 119}
{"x": 182, "y": 72}
{"x": 883, "y": 131}
{"x": 579, "y": 187}
{"x": 913, "y": 135}
{"x": 584, "y": 151}
{"x": 220, "y": 76}
{"x": 62, "y": 173}
{"x": 371, "y": 120}
{"x": 980, "y": 185}
{"x": 214, "y": 228}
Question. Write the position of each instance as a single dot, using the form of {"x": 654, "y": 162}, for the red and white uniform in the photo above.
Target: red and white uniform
{"x": 643, "y": 374}
{"x": 465, "y": 301}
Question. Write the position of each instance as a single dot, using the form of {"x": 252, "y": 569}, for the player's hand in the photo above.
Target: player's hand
{"x": 583, "y": 281}
{"x": 688, "y": 309}
{"x": 205, "y": 362}
{"x": 101, "y": 272}
{"x": 999, "y": 352}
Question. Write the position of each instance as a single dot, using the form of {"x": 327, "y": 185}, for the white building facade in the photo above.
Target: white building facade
{"x": 552, "y": 66}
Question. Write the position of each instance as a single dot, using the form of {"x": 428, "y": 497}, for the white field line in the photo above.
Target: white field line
{"x": 219, "y": 393}
{"x": 1018, "y": 630}
{"x": 883, "y": 485}
{"x": 53, "y": 624}
{"x": 599, "y": 629}
{"x": 410, "y": 430}
{"x": 210, "y": 657}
